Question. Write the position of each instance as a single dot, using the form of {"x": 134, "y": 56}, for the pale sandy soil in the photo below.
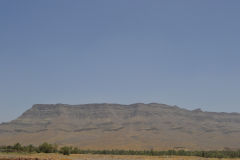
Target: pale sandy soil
{"x": 15, "y": 156}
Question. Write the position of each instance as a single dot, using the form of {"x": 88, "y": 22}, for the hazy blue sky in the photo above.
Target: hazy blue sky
{"x": 184, "y": 53}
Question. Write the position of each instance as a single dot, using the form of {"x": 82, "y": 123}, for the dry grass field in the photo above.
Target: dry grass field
{"x": 17, "y": 156}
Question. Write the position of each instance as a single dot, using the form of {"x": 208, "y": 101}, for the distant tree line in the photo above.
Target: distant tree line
{"x": 67, "y": 150}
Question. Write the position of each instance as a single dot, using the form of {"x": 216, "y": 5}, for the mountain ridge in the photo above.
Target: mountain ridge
{"x": 117, "y": 126}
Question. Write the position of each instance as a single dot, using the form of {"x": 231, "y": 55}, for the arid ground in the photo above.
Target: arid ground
{"x": 16, "y": 156}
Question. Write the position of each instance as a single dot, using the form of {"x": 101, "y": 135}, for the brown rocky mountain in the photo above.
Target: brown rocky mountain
{"x": 115, "y": 126}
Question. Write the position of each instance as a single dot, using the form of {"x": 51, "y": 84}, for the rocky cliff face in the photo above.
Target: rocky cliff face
{"x": 115, "y": 126}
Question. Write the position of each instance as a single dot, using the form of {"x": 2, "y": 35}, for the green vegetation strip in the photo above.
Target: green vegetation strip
{"x": 66, "y": 150}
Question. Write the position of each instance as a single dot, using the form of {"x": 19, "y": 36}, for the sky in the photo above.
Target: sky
{"x": 184, "y": 53}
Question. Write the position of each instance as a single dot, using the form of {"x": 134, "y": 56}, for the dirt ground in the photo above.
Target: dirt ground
{"x": 16, "y": 156}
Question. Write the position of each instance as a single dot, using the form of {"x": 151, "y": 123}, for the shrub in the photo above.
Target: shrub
{"x": 65, "y": 150}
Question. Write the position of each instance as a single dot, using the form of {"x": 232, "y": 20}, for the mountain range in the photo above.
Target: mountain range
{"x": 114, "y": 126}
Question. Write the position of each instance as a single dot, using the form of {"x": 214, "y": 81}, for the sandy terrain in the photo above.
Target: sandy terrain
{"x": 14, "y": 156}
